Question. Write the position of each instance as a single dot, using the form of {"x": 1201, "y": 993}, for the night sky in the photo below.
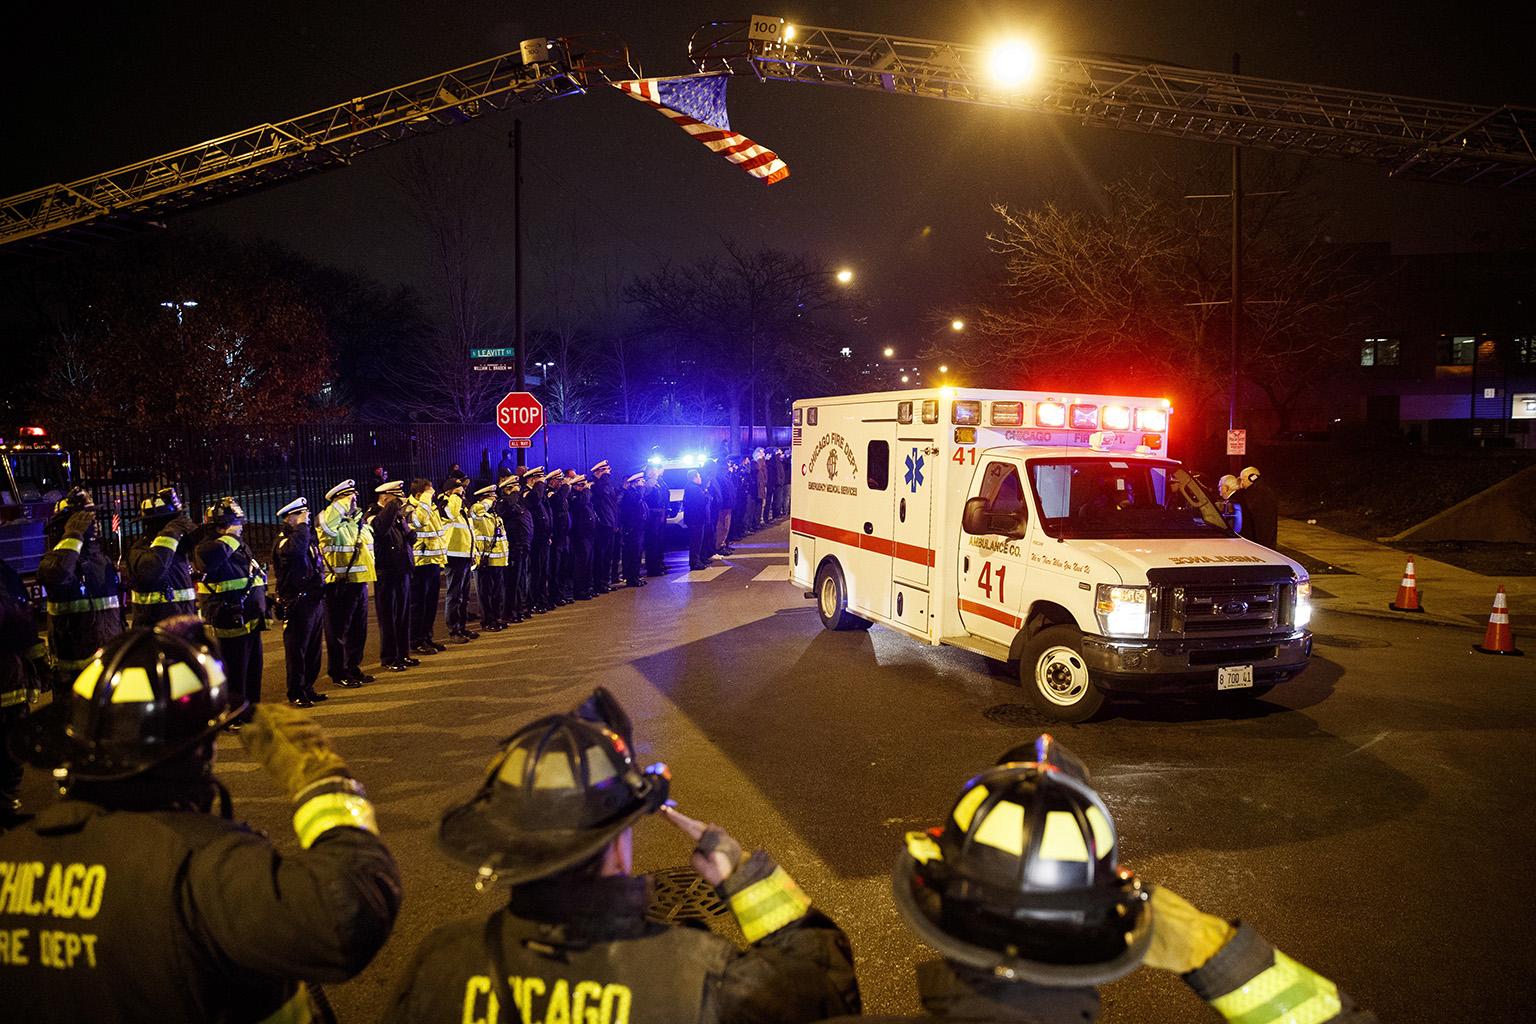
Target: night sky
{"x": 896, "y": 187}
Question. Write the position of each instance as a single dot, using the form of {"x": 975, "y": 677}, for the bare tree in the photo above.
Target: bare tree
{"x": 452, "y": 195}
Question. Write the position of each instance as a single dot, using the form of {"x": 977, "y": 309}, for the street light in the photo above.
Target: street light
{"x": 943, "y": 368}
{"x": 889, "y": 351}
{"x": 845, "y": 276}
{"x": 903, "y": 378}
{"x": 957, "y": 325}
{"x": 845, "y": 352}
{"x": 1012, "y": 63}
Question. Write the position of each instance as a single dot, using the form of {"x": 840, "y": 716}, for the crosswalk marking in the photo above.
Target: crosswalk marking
{"x": 772, "y": 574}
{"x": 703, "y": 575}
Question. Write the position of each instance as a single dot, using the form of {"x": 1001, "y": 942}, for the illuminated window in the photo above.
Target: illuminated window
{"x": 1460, "y": 350}
{"x": 1379, "y": 352}
{"x": 1368, "y": 352}
{"x": 1525, "y": 350}
{"x": 797, "y": 417}
{"x": 930, "y": 410}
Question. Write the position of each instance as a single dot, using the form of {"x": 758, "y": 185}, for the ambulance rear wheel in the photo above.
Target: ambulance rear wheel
{"x": 1055, "y": 676}
{"x": 832, "y": 600}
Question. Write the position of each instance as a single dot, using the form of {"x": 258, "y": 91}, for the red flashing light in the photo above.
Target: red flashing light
{"x": 1051, "y": 414}
{"x": 32, "y": 432}
{"x": 1117, "y": 417}
{"x": 1085, "y": 417}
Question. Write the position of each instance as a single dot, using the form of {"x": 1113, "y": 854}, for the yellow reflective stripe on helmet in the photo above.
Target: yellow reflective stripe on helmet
{"x": 298, "y": 1010}
{"x": 164, "y": 542}
{"x": 923, "y": 848}
{"x": 332, "y": 810}
{"x": 1287, "y": 993}
{"x": 85, "y": 604}
{"x": 965, "y": 810}
{"x": 156, "y": 597}
{"x": 1003, "y": 828}
{"x": 762, "y": 908}
{"x": 69, "y": 544}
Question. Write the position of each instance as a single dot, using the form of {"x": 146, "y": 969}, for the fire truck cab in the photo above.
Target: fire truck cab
{"x": 34, "y": 475}
{"x": 1050, "y": 530}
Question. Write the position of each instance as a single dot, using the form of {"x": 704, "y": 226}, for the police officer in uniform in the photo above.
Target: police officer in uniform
{"x": 132, "y": 900}
{"x": 346, "y": 547}
{"x": 553, "y": 820}
{"x": 298, "y": 574}
{"x": 1036, "y": 915}
{"x": 232, "y": 597}
{"x": 491, "y": 551}
{"x": 605, "y": 534}
{"x": 459, "y": 546}
{"x": 633, "y": 514}
{"x": 518, "y": 520}
{"x": 431, "y": 556}
{"x": 561, "y": 583}
{"x": 539, "y": 554}
{"x": 81, "y": 587}
{"x": 583, "y": 540}
{"x": 393, "y": 564}
{"x": 159, "y": 572}
{"x": 657, "y": 499}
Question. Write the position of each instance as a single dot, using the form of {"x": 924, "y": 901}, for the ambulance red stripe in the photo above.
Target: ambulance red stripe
{"x": 986, "y": 611}
{"x": 865, "y": 542}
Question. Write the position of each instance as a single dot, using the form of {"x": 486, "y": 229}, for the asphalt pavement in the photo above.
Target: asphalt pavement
{"x": 1370, "y": 817}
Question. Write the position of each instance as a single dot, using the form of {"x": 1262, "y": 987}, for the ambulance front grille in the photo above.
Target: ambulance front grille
{"x": 1224, "y": 609}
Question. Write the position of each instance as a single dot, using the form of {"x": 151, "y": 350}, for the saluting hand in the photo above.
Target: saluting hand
{"x": 716, "y": 855}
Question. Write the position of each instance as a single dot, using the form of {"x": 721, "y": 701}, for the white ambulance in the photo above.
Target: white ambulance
{"x": 1051, "y": 530}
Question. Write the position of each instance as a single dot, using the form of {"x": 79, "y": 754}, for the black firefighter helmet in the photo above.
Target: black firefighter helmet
{"x": 1023, "y": 880}
{"x": 164, "y": 504}
{"x": 225, "y": 512}
{"x": 560, "y": 790}
{"x": 147, "y": 696}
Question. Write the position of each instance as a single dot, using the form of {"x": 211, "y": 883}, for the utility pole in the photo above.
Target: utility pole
{"x": 1236, "y": 308}
{"x": 518, "y": 382}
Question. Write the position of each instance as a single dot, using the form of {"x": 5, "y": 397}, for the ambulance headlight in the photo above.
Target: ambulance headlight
{"x": 1303, "y": 603}
{"x": 1122, "y": 611}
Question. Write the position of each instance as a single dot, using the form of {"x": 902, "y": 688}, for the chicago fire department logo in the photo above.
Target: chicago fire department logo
{"x": 840, "y": 460}
{"x": 832, "y": 465}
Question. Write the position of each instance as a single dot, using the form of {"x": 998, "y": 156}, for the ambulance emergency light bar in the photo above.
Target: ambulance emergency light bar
{"x": 1056, "y": 415}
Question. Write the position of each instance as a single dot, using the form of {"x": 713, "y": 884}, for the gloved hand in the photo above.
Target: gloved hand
{"x": 291, "y": 747}
{"x": 180, "y": 526}
{"x": 1183, "y": 936}
{"x": 79, "y": 524}
{"x": 716, "y": 855}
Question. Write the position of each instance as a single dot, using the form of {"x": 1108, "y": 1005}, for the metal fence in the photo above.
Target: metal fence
{"x": 265, "y": 467}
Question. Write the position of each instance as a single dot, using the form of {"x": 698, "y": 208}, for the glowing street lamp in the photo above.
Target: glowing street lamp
{"x": 1013, "y": 63}
{"x": 957, "y": 325}
{"x": 889, "y": 351}
{"x": 845, "y": 276}
{"x": 904, "y": 378}
{"x": 943, "y": 368}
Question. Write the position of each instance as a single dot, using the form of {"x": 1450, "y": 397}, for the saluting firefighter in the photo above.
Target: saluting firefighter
{"x": 459, "y": 546}
{"x": 346, "y": 545}
{"x": 605, "y": 530}
{"x": 512, "y": 506}
{"x": 298, "y": 578}
{"x": 583, "y": 539}
{"x": 1022, "y": 892}
{"x": 539, "y": 553}
{"x": 80, "y": 585}
{"x": 232, "y": 597}
{"x": 553, "y": 820}
{"x": 430, "y": 552}
{"x": 159, "y": 571}
{"x": 633, "y": 514}
{"x": 393, "y": 560}
{"x": 491, "y": 549}
{"x": 558, "y": 495}
{"x": 138, "y": 897}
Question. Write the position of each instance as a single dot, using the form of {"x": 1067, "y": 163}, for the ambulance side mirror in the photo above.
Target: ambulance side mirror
{"x": 978, "y": 518}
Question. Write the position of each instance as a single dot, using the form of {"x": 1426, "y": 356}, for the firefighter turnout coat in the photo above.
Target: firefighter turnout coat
{"x": 81, "y": 587}
{"x": 232, "y": 594}
{"x": 160, "y": 576}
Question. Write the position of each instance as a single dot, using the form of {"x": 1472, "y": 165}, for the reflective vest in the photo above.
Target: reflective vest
{"x": 431, "y": 547}
{"x": 490, "y": 534}
{"x": 369, "y": 566}
{"x": 344, "y": 556}
{"x": 459, "y": 532}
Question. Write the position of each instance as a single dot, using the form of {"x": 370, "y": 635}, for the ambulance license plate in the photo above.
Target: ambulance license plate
{"x": 1234, "y": 677}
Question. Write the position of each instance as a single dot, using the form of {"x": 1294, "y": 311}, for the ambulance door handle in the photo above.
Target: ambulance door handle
{"x": 967, "y": 564}
{"x": 902, "y": 509}
{"x": 869, "y": 527}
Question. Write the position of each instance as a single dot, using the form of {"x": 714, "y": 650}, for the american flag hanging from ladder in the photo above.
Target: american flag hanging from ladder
{"x": 696, "y": 104}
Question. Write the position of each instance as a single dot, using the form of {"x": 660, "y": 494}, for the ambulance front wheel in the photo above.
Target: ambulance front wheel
{"x": 832, "y": 600}
{"x": 1055, "y": 676}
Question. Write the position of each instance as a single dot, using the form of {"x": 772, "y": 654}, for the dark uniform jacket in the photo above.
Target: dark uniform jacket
{"x": 605, "y": 503}
{"x": 232, "y": 594}
{"x": 116, "y": 916}
{"x": 573, "y": 948}
{"x": 393, "y": 540}
{"x": 658, "y": 497}
{"x": 560, "y": 516}
{"x": 160, "y": 575}
{"x": 23, "y": 656}
{"x": 583, "y": 515}
{"x": 81, "y": 587}
{"x": 518, "y": 518}
{"x": 727, "y": 485}
{"x": 695, "y": 505}
{"x": 632, "y": 509}
{"x": 297, "y": 570}
{"x": 1261, "y": 512}
{"x": 538, "y": 506}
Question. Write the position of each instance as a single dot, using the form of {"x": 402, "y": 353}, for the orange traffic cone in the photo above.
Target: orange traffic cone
{"x": 1498, "y": 639}
{"x": 1407, "y": 592}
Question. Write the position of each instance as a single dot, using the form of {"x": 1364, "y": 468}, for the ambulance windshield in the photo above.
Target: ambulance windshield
{"x": 1109, "y": 498}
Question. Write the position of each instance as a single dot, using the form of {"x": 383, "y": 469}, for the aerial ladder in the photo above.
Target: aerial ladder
{"x": 1449, "y": 142}
{"x": 130, "y": 197}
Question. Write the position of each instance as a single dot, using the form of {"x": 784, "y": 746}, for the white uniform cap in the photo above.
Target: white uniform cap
{"x": 341, "y": 490}
{"x": 296, "y": 505}
{"x": 392, "y": 487}
{"x": 1248, "y": 475}
{"x": 600, "y": 465}
{"x": 486, "y": 491}
{"x": 634, "y": 478}
{"x": 533, "y": 471}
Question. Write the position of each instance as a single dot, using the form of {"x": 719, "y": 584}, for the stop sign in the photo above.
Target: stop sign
{"x": 519, "y": 415}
